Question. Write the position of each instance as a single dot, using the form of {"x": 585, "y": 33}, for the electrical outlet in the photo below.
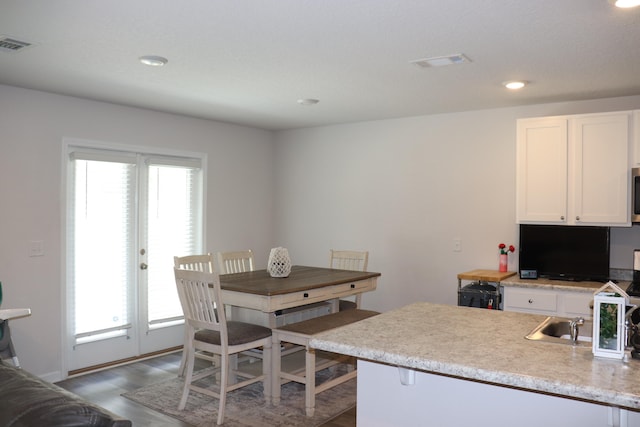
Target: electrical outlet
{"x": 457, "y": 244}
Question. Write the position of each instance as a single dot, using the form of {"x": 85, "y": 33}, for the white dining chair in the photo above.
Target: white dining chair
{"x": 230, "y": 262}
{"x": 349, "y": 260}
{"x": 235, "y": 261}
{"x": 203, "y": 263}
{"x": 209, "y": 331}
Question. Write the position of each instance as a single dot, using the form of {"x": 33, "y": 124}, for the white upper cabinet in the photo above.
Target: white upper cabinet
{"x": 541, "y": 180}
{"x": 574, "y": 170}
{"x": 601, "y": 174}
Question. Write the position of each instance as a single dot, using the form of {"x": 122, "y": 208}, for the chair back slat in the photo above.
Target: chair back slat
{"x": 349, "y": 260}
{"x": 195, "y": 262}
{"x": 235, "y": 261}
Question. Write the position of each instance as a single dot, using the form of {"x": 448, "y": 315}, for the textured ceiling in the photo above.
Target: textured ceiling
{"x": 249, "y": 61}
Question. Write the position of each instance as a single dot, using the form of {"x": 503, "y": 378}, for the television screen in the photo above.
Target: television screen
{"x": 565, "y": 252}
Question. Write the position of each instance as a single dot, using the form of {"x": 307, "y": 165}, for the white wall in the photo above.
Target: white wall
{"x": 405, "y": 188}
{"x": 32, "y": 127}
{"x": 402, "y": 189}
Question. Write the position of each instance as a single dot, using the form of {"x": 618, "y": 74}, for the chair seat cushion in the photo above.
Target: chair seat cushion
{"x": 347, "y": 305}
{"x": 238, "y": 333}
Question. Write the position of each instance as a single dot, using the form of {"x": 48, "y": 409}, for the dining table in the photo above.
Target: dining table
{"x": 257, "y": 297}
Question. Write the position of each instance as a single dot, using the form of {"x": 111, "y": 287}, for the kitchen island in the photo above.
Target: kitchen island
{"x": 471, "y": 366}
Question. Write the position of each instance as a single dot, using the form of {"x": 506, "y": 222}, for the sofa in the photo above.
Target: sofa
{"x": 26, "y": 400}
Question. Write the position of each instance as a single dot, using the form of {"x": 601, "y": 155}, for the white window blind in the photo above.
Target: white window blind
{"x": 173, "y": 228}
{"x": 102, "y": 241}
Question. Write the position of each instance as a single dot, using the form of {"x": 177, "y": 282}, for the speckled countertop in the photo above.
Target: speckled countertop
{"x": 559, "y": 285}
{"x": 488, "y": 346}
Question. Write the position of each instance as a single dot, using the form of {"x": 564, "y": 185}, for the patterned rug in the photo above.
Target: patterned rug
{"x": 246, "y": 406}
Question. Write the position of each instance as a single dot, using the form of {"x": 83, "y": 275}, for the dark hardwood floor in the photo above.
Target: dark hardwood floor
{"x": 105, "y": 387}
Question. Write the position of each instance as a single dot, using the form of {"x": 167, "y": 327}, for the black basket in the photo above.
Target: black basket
{"x": 480, "y": 295}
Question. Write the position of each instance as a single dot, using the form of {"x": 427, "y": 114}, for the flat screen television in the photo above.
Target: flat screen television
{"x": 565, "y": 252}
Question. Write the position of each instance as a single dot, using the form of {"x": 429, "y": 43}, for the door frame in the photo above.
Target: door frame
{"x": 67, "y": 143}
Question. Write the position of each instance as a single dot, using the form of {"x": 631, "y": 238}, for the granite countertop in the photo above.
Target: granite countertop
{"x": 560, "y": 285}
{"x": 488, "y": 346}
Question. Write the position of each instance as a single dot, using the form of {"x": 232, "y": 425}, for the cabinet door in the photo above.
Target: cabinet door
{"x": 600, "y": 179}
{"x": 541, "y": 179}
{"x": 577, "y": 304}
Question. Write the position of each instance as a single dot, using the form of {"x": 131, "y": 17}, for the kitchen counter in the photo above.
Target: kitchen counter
{"x": 486, "y": 346}
{"x": 560, "y": 285}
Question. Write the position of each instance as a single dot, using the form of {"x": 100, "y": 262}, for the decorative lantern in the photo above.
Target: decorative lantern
{"x": 609, "y": 304}
{"x": 279, "y": 264}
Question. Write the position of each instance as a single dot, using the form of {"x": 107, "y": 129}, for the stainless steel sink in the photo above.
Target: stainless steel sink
{"x": 557, "y": 330}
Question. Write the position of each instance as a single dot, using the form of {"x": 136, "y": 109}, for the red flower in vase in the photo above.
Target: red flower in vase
{"x": 505, "y": 250}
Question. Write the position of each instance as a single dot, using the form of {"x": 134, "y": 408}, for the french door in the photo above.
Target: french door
{"x": 128, "y": 215}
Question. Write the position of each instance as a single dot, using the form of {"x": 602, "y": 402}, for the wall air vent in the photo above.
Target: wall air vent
{"x": 9, "y": 44}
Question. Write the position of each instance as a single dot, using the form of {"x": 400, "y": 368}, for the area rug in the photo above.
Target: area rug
{"x": 246, "y": 406}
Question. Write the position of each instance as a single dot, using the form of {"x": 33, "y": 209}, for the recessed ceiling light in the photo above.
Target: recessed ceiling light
{"x": 625, "y": 3}
{"x": 153, "y": 61}
{"x": 515, "y": 84}
{"x": 308, "y": 101}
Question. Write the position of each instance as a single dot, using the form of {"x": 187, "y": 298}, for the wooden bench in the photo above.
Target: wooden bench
{"x": 301, "y": 333}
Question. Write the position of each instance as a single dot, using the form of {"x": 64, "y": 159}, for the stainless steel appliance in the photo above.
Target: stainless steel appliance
{"x": 635, "y": 195}
{"x": 634, "y": 288}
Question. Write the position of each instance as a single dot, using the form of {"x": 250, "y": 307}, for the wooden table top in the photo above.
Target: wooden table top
{"x": 486, "y": 275}
{"x": 302, "y": 278}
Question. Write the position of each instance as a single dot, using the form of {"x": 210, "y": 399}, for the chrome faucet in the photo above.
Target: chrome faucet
{"x": 631, "y": 329}
{"x": 573, "y": 328}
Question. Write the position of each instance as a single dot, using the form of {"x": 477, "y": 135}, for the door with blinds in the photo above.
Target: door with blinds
{"x": 128, "y": 215}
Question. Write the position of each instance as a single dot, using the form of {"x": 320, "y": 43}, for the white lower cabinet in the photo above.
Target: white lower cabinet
{"x": 577, "y": 304}
{"x": 548, "y": 302}
{"x": 445, "y": 401}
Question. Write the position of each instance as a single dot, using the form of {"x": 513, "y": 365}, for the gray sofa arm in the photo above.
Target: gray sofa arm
{"x": 26, "y": 401}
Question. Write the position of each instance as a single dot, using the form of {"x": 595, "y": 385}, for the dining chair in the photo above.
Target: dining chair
{"x": 209, "y": 330}
{"x": 235, "y": 261}
{"x": 349, "y": 260}
{"x": 203, "y": 263}
{"x": 195, "y": 262}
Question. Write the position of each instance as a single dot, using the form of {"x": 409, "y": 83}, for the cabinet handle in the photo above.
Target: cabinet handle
{"x": 353, "y": 286}
{"x": 562, "y": 218}
{"x": 306, "y": 295}
{"x": 530, "y": 300}
{"x": 577, "y": 218}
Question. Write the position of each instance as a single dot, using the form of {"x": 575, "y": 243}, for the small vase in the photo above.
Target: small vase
{"x": 279, "y": 264}
{"x": 503, "y": 262}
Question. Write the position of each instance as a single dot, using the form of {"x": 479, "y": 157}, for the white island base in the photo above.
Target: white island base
{"x": 443, "y": 401}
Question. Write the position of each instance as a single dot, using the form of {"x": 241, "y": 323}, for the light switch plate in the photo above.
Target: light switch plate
{"x": 36, "y": 248}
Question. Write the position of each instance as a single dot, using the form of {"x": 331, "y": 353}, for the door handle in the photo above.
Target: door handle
{"x": 143, "y": 266}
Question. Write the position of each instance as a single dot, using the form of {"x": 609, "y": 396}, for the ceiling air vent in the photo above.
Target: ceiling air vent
{"x": 441, "y": 61}
{"x": 8, "y": 44}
